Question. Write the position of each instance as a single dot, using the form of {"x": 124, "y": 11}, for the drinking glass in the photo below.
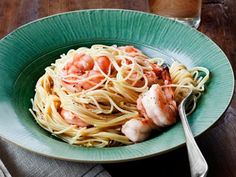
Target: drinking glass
{"x": 184, "y": 11}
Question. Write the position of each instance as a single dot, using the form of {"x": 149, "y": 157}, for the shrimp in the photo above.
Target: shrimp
{"x": 84, "y": 67}
{"x": 81, "y": 62}
{"x": 138, "y": 129}
{"x": 157, "y": 69}
{"x": 97, "y": 77}
{"x": 72, "y": 118}
{"x": 153, "y": 76}
{"x": 158, "y": 107}
{"x": 158, "y": 103}
{"x": 151, "y": 79}
{"x": 129, "y": 49}
{"x": 73, "y": 87}
{"x": 104, "y": 63}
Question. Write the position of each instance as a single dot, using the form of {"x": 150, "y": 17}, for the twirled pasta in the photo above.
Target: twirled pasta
{"x": 184, "y": 80}
{"x": 102, "y": 98}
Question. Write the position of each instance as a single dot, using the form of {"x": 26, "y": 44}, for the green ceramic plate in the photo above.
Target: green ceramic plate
{"x": 28, "y": 50}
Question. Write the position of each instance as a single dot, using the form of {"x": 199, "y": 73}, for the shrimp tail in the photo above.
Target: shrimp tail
{"x": 165, "y": 74}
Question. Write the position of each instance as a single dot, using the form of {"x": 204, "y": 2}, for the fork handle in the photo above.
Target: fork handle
{"x": 198, "y": 164}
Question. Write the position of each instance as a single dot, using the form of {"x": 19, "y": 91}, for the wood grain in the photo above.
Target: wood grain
{"x": 15, "y": 13}
{"x": 218, "y": 23}
{"x": 218, "y": 144}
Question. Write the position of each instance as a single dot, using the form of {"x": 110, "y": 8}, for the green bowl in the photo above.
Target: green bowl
{"x": 25, "y": 53}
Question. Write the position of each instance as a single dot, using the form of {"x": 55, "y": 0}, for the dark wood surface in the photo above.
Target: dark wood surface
{"x": 218, "y": 144}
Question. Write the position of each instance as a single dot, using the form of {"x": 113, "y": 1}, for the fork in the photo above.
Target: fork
{"x": 198, "y": 164}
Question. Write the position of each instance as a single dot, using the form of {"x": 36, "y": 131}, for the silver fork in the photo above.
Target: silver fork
{"x": 198, "y": 164}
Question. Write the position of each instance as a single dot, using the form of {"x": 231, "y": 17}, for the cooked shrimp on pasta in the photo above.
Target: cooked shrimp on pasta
{"x": 109, "y": 96}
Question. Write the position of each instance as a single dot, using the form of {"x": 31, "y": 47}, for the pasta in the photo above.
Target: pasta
{"x": 184, "y": 79}
{"x": 87, "y": 95}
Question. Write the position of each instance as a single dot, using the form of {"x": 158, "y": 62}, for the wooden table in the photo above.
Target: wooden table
{"x": 218, "y": 144}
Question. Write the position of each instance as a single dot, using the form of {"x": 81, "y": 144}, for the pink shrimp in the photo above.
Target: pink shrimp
{"x": 130, "y": 49}
{"x": 72, "y": 118}
{"x": 97, "y": 78}
{"x": 154, "y": 76}
{"x": 138, "y": 129}
{"x": 83, "y": 66}
{"x": 104, "y": 63}
{"x": 158, "y": 106}
{"x": 80, "y": 63}
{"x": 156, "y": 69}
{"x": 151, "y": 78}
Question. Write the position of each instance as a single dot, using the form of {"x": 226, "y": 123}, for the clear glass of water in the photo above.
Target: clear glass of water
{"x": 184, "y": 11}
